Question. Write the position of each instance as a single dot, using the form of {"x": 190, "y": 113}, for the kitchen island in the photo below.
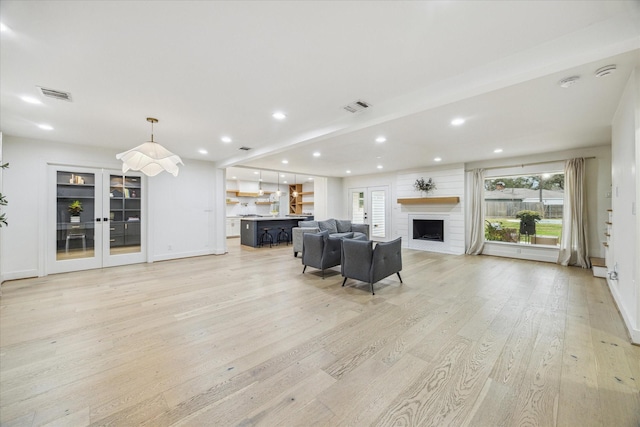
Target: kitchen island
{"x": 252, "y": 227}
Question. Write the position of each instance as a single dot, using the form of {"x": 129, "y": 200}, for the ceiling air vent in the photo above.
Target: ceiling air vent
{"x": 356, "y": 106}
{"x": 245, "y": 148}
{"x": 606, "y": 70}
{"x": 56, "y": 94}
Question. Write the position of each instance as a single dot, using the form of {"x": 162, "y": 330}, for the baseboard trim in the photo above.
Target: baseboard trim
{"x": 634, "y": 334}
{"x": 178, "y": 255}
{"x": 17, "y": 275}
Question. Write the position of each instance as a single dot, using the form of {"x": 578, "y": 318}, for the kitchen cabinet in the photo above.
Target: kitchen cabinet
{"x": 233, "y": 227}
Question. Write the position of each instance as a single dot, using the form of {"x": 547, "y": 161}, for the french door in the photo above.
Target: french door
{"x": 96, "y": 220}
{"x": 370, "y": 205}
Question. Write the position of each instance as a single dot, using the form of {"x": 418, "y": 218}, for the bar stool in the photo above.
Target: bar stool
{"x": 283, "y": 236}
{"x": 266, "y": 237}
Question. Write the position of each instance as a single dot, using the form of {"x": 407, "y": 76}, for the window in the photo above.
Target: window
{"x": 524, "y": 209}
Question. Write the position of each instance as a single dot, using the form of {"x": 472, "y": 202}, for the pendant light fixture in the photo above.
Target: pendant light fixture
{"x": 295, "y": 189}
{"x": 260, "y": 190}
{"x": 150, "y": 158}
{"x": 278, "y": 192}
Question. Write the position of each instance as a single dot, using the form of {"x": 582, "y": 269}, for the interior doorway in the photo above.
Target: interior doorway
{"x": 97, "y": 219}
{"x": 370, "y": 205}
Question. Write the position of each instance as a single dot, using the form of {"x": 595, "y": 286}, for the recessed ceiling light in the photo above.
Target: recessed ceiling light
{"x": 256, "y": 172}
{"x": 457, "y": 121}
{"x": 379, "y": 166}
{"x": 260, "y": 179}
{"x": 279, "y": 115}
{"x": 30, "y": 100}
{"x": 498, "y": 150}
{"x": 281, "y": 175}
{"x": 225, "y": 139}
{"x": 437, "y": 159}
{"x": 568, "y": 81}
{"x": 202, "y": 151}
{"x": 316, "y": 154}
{"x": 381, "y": 139}
{"x": 3, "y": 27}
{"x": 606, "y": 70}
{"x": 310, "y": 178}
{"x": 285, "y": 182}
{"x": 45, "y": 126}
{"x": 285, "y": 161}
{"x": 348, "y": 171}
{"x": 234, "y": 177}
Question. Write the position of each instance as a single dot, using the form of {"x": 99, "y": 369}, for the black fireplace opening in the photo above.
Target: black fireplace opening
{"x": 428, "y": 229}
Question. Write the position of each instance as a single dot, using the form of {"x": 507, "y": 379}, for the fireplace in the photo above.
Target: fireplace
{"x": 428, "y": 229}
{"x": 429, "y": 232}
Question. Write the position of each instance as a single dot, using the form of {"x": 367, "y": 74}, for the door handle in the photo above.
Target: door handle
{"x": 105, "y": 219}
{"x": 97, "y": 219}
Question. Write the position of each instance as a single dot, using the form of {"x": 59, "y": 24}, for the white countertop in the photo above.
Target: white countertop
{"x": 273, "y": 218}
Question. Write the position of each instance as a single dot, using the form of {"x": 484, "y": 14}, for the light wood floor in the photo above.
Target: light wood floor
{"x": 246, "y": 339}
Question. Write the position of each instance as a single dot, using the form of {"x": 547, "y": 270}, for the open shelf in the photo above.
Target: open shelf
{"x": 247, "y": 194}
{"x": 451, "y": 200}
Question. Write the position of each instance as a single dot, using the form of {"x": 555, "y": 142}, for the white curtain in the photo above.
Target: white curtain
{"x": 574, "y": 245}
{"x": 475, "y": 212}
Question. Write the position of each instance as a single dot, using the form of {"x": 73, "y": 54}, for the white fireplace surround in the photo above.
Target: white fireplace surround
{"x": 429, "y": 245}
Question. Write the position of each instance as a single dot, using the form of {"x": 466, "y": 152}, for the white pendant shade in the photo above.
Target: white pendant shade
{"x": 150, "y": 158}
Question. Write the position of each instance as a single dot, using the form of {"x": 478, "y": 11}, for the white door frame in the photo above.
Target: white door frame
{"x": 109, "y": 259}
{"x": 101, "y": 250}
{"x": 368, "y": 218}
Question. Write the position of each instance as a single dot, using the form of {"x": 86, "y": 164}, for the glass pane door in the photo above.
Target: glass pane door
{"x": 357, "y": 208}
{"x": 378, "y": 214}
{"x": 125, "y": 194}
{"x": 75, "y": 213}
{"x": 370, "y": 206}
{"x": 96, "y": 220}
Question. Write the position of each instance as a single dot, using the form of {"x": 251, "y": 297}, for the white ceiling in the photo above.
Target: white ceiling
{"x": 208, "y": 69}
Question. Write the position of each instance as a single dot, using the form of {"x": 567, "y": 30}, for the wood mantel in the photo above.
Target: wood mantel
{"x": 429, "y": 200}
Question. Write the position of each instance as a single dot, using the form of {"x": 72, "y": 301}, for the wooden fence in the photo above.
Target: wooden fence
{"x": 506, "y": 209}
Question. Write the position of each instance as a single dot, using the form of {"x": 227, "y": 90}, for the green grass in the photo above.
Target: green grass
{"x": 542, "y": 228}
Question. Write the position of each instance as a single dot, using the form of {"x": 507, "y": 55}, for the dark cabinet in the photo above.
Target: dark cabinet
{"x": 124, "y": 234}
{"x": 75, "y": 232}
{"x": 125, "y": 194}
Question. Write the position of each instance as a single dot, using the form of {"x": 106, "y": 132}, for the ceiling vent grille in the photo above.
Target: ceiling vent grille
{"x": 356, "y": 106}
{"x": 56, "y": 94}
{"x": 243, "y": 148}
{"x": 606, "y": 70}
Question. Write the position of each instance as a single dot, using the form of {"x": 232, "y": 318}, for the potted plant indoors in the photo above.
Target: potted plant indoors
{"x": 528, "y": 221}
{"x": 74, "y": 209}
{"x": 423, "y": 186}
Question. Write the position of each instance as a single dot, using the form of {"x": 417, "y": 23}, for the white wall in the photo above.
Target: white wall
{"x": 334, "y": 201}
{"x": 182, "y": 213}
{"x": 181, "y": 210}
{"x": 449, "y": 181}
{"x": 625, "y": 240}
{"x": 1, "y": 210}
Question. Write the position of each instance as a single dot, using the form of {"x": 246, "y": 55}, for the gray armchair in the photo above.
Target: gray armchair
{"x": 361, "y": 261}
{"x": 320, "y": 251}
{"x": 335, "y": 227}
